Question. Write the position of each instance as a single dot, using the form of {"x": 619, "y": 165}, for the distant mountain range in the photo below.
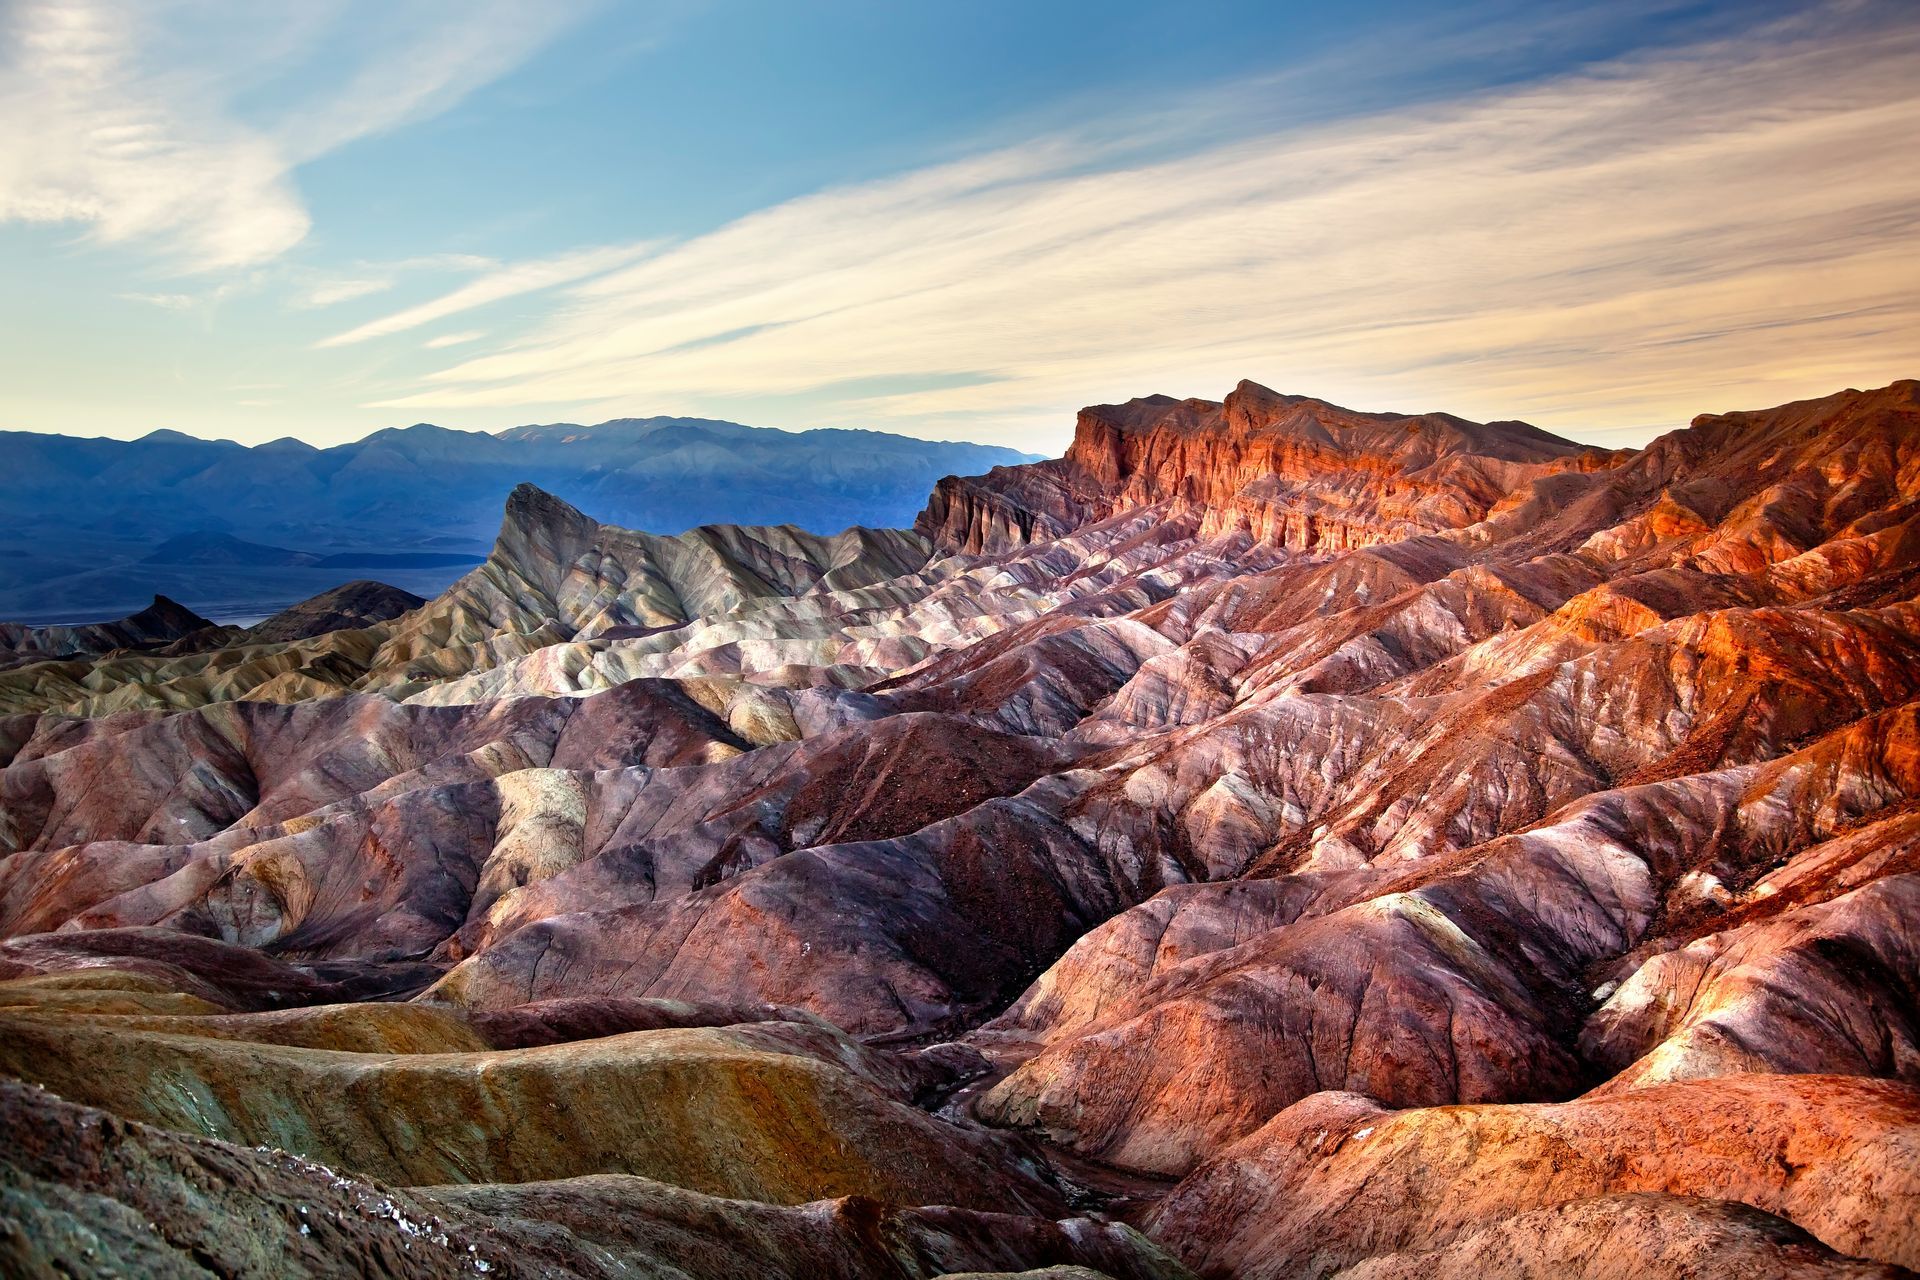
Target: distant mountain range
{"x": 95, "y": 527}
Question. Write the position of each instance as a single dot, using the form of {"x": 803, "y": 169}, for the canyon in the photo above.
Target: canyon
{"x": 1270, "y": 840}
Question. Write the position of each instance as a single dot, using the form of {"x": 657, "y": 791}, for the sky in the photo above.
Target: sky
{"x": 948, "y": 220}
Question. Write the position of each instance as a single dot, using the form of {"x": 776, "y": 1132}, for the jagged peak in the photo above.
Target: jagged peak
{"x": 529, "y": 501}
{"x": 532, "y": 511}
{"x": 165, "y": 609}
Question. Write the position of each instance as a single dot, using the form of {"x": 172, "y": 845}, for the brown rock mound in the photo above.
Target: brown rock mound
{"x": 1335, "y": 1180}
{"x": 776, "y": 1117}
{"x": 348, "y": 606}
{"x": 1629, "y": 1237}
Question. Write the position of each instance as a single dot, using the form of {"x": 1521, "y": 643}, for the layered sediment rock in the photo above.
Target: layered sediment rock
{"x": 770, "y": 1112}
{"x": 86, "y": 1192}
{"x": 1290, "y": 470}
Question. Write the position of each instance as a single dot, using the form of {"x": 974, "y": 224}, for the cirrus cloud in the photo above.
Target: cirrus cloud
{"x": 1610, "y": 251}
{"x": 454, "y": 339}
{"x": 495, "y": 286}
{"x": 131, "y": 130}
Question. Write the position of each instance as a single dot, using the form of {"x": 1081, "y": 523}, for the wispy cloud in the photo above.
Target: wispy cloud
{"x": 204, "y": 299}
{"x": 428, "y": 55}
{"x": 329, "y": 293}
{"x": 1624, "y": 246}
{"x": 165, "y": 301}
{"x": 91, "y": 140}
{"x": 313, "y": 290}
{"x": 454, "y": 339}
{"x": 133, "y": 133}
{"x": 496, "y": 286}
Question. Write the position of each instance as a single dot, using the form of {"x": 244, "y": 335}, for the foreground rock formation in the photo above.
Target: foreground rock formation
{"x": 1335, "y": 843}
{"x": 87, "y": 1193}
{"x": 777, "y": 1111}
{"x": 1335, "y": 1179}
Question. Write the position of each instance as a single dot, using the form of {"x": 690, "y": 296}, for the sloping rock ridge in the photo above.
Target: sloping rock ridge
{"x": 1328, "y": 843}
{"x": 164, "y": 622}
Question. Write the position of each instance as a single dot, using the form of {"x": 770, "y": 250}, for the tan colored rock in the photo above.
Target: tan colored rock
{"x": 86, "y": 1192}
{"x": 728, "y": 1113}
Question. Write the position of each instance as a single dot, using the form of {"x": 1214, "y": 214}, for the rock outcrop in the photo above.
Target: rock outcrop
{"x": 1336, "y": 1180}
{"x": 1291, "y": 470}
{"x": 1627, "y": 1237}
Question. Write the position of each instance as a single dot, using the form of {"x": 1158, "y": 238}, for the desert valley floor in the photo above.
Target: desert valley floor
{"x": 1272, "y": 840}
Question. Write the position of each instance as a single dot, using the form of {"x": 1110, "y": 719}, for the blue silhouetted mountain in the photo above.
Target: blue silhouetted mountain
{"x": 95, "y": 525}
{"x": 207, "y": 547}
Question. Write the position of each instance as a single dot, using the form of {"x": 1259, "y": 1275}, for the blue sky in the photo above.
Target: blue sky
{"x": 949, "y": 220}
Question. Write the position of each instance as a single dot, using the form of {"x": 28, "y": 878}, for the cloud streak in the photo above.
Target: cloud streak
{"x": 495, "y": 286}
{"x": 110, "y": 126}
{"x": 328, "y": 293}
{"x": 454, "y": 339}
{"x": 1603, "y": 253}
{"x": 165, "y": 301}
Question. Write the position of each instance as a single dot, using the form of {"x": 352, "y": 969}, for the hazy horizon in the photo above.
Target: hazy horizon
{"x": 494, "y": 432}
{"x": 952, "y": 224}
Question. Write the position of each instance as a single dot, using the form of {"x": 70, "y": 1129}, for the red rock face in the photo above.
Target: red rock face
{"x": 1291, "y": 471}
{"x": 1428, "y": 847}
